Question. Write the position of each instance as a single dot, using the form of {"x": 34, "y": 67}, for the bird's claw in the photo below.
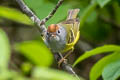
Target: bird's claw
{"x": 61, "y": 61}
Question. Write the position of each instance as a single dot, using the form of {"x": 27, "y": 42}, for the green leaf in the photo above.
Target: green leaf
{"x": 42, "y": 8}
{"x": 98, "y": 50}
{"x": 12, "y": 75}
{"x": 14, "y": 15}
{"x": 4, "y": 50}
{"x": 50, "y": 74}
{"x": 36, "y": 51}
{"x": 102, "y": 3}
{"x": 111, "y": 71}
{"x": 97, "y": 69}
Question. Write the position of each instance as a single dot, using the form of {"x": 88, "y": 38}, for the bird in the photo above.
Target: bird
{"x": 63, "y": 36}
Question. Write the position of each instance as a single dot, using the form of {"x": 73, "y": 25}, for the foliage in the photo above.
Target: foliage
{"x": 36, "y": 51}
{"x": 101, "y": 64}
{"x": 99, "y": 20}
{"x": 14, "y": 15}
{"x": 97, "y": 69}
{"x": 4, "y": 50}
{"x": 98, "y": 50}
{"x": 53, "y": 74}
{"x": 102, "y": 3}
{"x": 112, "y": 71}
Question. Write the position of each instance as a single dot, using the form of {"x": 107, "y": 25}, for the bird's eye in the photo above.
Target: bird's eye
{"x": 47, "y": 33}
{"x": 58, "y": 31}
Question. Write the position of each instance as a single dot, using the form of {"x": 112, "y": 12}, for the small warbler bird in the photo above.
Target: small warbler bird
{"x": 63, "y": 36}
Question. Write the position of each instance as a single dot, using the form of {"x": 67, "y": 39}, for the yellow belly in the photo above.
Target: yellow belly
{"x": 72, "y": 44}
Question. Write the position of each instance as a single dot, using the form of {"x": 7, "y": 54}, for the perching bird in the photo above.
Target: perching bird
{"x": 63, "y": 36}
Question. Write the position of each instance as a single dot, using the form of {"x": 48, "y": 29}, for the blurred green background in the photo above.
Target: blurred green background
{"x": 24, "y": 56}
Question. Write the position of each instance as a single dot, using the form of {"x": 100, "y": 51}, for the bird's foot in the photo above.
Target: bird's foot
{"x": 61, "y": 61}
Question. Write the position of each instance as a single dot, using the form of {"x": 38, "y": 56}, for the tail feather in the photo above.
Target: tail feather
{"x": 72, "y": 13}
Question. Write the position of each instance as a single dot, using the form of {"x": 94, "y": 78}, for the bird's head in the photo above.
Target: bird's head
{"x": 55, "y": 32}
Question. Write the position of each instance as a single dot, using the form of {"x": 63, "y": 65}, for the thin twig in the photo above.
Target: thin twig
{"x": 52, "y": 12}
